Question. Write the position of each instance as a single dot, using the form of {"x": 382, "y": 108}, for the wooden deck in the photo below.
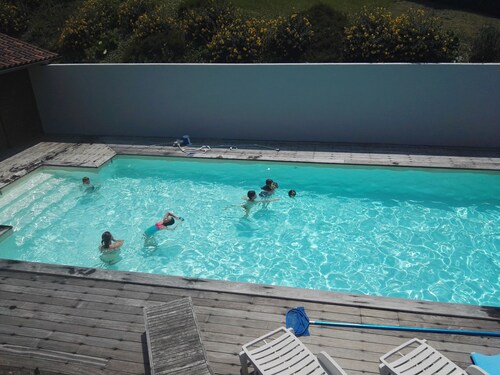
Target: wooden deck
{"x": 70, "y": 320}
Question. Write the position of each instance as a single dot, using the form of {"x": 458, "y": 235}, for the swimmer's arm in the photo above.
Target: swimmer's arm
{"x": 168, "y": 214}
{"x": 116, "y": 244}
{"x": 173, "y": 227}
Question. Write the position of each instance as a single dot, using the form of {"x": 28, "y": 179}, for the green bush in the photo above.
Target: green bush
{"x": 377, "y": 36}
{"x": 129, "y": 12}
{"x": 168, "y": 46}
{"x": 202, "y": 19}
{"x": 486, "y": 46}
{"x": 328, "y": 33}
{"x": 157, "y": 38}
{"x": 91, "y": 31}
{"x": 289, "y": 38}
{"x": 46, "y": 24}
{"x": 243, "y": 41}
{"x": 13, "y": 20}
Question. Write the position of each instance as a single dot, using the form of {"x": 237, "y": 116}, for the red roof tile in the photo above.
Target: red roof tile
{"x": 15, "y": 53}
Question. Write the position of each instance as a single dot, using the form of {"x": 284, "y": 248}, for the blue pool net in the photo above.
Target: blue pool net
{"x": 297, "y": 319}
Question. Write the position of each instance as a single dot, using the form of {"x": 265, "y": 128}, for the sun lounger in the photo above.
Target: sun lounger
{"x": 174, "y": 340}
{"x": 280, "y": 352}
{"x": 416, "y": 357}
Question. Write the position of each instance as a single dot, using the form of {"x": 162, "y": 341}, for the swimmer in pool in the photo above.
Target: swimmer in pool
{"x": 167, "y": 223}
{"x": 110, "y": 248}
{"x": 269, "y": 188}
{"x": 86, "y": 185}
{"x": 251, "y": 200}
{"x": 292, "y": 193}
{"x": 108, "y": 243}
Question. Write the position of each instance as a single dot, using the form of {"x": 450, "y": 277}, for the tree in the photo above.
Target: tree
{"x": 377, "y": 36}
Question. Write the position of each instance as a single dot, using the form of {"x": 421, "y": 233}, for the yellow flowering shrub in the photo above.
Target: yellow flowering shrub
{"x": 91, "y": 31}
{"x": 156, "y": 38}
{"x": 129, "y": 12}
{"x": 12, "y": 19}
{"x": 378, "y": 36}
{"x": 202, "y": 19}
{"x": 153, "y": 22}
{"x": 290, "y": 36}
{"x": 240, "y": 41}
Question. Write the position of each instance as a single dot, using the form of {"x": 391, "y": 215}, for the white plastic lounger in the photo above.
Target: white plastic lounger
{"x": 280, "y": 352}
{"x": 416, "y": 357}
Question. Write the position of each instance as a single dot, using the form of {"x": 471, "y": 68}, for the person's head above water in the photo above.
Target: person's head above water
{"x": 86, "y": 181}
{"x": 106, "y": 239}
{"x": 251, "y": 194}
{"x": 292, "y": 193}
{"x": 269, "y": 182}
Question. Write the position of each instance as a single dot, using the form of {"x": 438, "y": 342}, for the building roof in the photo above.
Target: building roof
{"x": 15, "y": 53}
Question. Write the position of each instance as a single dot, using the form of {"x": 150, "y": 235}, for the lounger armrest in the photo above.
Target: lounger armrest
{"x": 475, "y": 370}
{"x": 385, "y": 357}
{"x": 330, "y": 366}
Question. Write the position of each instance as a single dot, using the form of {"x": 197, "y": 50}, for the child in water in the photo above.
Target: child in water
{"x": 87, "y": 186}
{"x": 110, "y": 248}
{"x": 167, "y": 223}
{"x": 269, "y": 188}
{"x": 251, "y": 200}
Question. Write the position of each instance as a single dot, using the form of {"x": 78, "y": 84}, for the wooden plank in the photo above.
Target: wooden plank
{"x": 174, "y": 341}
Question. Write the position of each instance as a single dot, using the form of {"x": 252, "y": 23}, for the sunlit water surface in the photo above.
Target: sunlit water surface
{"x": 411, "y": 233}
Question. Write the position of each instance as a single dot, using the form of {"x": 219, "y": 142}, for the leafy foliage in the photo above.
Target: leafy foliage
{"x": 12, "y": 19}
{"x": 486, "y": 46}
{"x": 216, "y": 31}
{"x": 157, "y": 38}
{"x": 240, "y": 41}
{"x": 202, "y": 19}
{"x": 377, "y": 36}
{"x": 328, "y": 33}
{"x": 129, "y": 12}
{"x": 289, "y": 39}
{"x": 90, "y": 33}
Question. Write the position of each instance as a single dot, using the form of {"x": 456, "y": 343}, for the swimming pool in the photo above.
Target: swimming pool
{"x": 398, "y": 232}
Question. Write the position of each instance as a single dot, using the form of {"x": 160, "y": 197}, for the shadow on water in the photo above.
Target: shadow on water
{"x": 165, "y": 249}
{"x": 109, "y": 259}
{"x": 246, "y": 227}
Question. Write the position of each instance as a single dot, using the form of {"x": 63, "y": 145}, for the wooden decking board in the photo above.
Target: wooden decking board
{"x": 227, "y": 320}
{"x": 129, "y": 320}
{"x": 245, "y": 289}
{"x": 57, "y": 367}
{"x": 97, "y": 319}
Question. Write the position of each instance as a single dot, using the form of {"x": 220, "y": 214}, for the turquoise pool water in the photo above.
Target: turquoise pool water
{"x": 417, "y": 234}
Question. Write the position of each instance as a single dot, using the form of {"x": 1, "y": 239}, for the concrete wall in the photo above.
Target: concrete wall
{"x": 19, "y": 121}
{"x": 435, "y": 104}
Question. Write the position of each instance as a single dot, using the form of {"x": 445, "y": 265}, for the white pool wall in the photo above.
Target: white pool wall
{"x": 407, "y": 104}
